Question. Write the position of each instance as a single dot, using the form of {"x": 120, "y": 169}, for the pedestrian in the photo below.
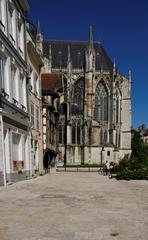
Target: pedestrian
{"x": 107, "y": 164}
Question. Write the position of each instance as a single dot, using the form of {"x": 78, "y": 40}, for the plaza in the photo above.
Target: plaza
{"x": 74, "y": 206}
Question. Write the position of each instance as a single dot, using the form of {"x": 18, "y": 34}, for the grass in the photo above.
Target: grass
{"x": 85, "y": 165}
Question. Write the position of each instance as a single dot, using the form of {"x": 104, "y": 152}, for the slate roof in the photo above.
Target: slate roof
{"x": 59, "y": 51}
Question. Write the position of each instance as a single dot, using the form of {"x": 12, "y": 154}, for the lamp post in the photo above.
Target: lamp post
{"x": 102, "y": 155}
{"x": 65, "y": 134}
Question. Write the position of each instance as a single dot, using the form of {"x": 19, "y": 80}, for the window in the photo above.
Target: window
{"x": 37, "y": 118}
{"x": 78, "y": 94}
{"x": 76, "y": 134}
{"x": 117, "y": 111}
{"x": 20, "y": 34}
{"x": 89, "y": 135}
{"x": 40, "y": 89}
{"x": 103, "y": 135}
{"x": 101, "y": 104}
{"x": 1, "y": 74}
{"x": 73, "y": 135}
{"x": 15, "y": 144}
{"x": 14, "y": 84}
{"x": 22, "y": 93}
{"x": 32, "y": 114}
{"x": 61, "y": 134}
{"x": 3, "y": 15}
{"x": 108, "y": 153}
{"x": 12, "y": 27}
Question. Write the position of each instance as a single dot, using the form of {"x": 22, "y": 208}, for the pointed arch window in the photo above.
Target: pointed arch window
{"x": 101, "y": 104}
{"x": 61, "y": 134}
{"x": 73, "y": 135}
{"x": 76, "y": 134}
{"x": 117, "y": 113}
{"x": 103, "y": 136}
{"x": 78, "y": 93}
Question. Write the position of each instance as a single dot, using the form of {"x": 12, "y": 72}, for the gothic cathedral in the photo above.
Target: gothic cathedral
{"x": 94, "y": 101}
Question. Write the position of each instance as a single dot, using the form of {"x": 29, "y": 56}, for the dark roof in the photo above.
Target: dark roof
{"x": 51, "y": 83}
{"x": 59, "y": 50}
{"x": 75, "y": 110}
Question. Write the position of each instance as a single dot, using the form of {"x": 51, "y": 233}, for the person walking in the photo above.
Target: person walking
{"x": 107, "y": 164}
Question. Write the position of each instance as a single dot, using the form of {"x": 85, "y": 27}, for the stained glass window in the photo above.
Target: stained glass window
{"x": 78, "y": 134}
{"x": 78, "y": 94}
{"x": 101, "y": 104}
{"x": 73, "y": 134}
{"x": 61, "y": 134}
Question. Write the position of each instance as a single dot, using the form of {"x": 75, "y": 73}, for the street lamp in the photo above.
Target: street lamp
{"x": 65, "y": 133}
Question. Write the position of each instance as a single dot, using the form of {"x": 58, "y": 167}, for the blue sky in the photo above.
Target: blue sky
{"x": 122, "y": 28}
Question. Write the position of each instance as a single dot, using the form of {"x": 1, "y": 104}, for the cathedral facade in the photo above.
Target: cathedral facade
{"x": 95, "y": 101}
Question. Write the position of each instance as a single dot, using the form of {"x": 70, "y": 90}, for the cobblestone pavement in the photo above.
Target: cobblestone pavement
{"x": 74, "y": 206}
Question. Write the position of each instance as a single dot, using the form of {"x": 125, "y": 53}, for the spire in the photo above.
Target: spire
{"x": 38, "y": 27}
{"x": 69, "y": 62}
{"x": 69, "y": 55}
{"x": 129, "y": 82}
{"x": 39, "y": 40}
{"x": 90, "y": 38}
{"x": 114, "y": 64}
{"x": 90, "y": 52}
{"x": 114, "y": 68}
{"x": 130, "y": 75}
{"x": 50, "y": 58}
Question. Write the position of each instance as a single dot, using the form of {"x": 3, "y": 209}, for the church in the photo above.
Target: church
{"x": 94, "y": 102}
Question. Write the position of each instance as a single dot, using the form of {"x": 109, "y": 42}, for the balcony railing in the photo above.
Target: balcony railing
{"x": 15, "y": 101}
{"x": 12, "y": 39}
{"x": 4, "y": 94}
{"x": 20, "y": 51}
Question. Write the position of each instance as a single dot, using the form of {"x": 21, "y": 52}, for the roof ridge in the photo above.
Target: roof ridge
{"x": 75, "y": 41}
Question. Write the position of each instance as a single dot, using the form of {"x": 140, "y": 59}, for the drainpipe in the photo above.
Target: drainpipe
{"x": 3, "y": 148}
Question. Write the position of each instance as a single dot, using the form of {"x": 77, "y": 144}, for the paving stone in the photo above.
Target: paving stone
{"x": 74, "y": 206}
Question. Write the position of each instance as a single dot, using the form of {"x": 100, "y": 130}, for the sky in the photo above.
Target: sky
{"x": 121, "y": 27}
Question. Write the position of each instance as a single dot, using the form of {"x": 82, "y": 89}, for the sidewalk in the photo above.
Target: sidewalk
{"x": 74, "y": 206}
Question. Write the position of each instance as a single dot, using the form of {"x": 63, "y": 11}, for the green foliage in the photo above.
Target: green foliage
{"x": 137, "y": 166}
{"x": 127, "y": 174}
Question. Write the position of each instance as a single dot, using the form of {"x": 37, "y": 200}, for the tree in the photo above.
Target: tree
{"x": 137, "y": 166}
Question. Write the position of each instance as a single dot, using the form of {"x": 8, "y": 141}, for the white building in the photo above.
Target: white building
{"x": 14, "y": 118}
{"x": 35, "y": 100}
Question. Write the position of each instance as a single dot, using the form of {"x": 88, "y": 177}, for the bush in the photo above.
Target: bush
{"x": 140, "y": 174}
{"x": 137, "y": 166}
{"x": 123, "y": 165}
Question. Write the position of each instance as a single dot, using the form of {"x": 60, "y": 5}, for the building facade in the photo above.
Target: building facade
{"x": 14, "y": 117}
{"x": 50, "y": 118}
{"x": 34, "y": 61}
{"x": 96, "y": 108}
